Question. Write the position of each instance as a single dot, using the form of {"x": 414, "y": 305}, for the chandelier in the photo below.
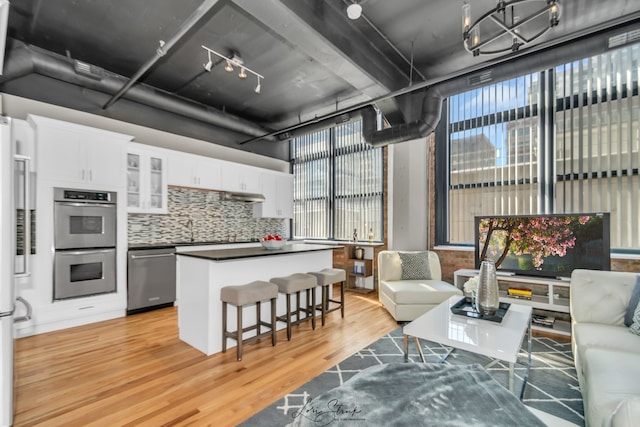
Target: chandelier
{"x": 508, "y": 26}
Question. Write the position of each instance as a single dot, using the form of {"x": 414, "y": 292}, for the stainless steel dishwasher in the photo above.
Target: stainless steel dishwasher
{"x": 151, "y": 279}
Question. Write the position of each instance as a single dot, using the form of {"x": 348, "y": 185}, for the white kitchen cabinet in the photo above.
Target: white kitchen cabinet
{"x": 190, "y": 170}
{"x": 240, "y": 178}
{"x": 277, "y": 189}
{"x": 79, "y": 154}
{"x": 146, "y": 181}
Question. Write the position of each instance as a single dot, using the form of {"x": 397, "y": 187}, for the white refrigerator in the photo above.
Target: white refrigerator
{"x": 14, "y": 194}
{"x": 7, "y": 260}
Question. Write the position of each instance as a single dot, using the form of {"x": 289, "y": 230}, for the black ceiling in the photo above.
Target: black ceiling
{"x": 315, "y": 61}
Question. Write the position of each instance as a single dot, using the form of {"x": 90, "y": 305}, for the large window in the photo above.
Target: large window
{"x": 338, "y": 185}
{"x": 561, "y": 140}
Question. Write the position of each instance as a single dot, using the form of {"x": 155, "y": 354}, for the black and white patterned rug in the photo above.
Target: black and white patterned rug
{"x": 552, "y": 386}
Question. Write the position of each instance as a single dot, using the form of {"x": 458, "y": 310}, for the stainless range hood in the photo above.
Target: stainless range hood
{"x": 242, "y": 197}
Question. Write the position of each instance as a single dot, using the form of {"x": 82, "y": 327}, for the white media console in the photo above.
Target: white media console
{"x": 549, "y": 294}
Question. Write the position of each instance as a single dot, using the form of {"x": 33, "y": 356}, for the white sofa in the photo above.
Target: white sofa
{"x": 405, "y": 300}
{"x": 606, "y": 353}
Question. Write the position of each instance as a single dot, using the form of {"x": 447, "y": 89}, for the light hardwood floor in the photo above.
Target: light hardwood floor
{"x": 136, "y": 371}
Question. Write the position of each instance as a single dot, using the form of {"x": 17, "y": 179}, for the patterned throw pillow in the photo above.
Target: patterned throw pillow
{"x": 415, "y": 266}
{"x": 635, "y": 326}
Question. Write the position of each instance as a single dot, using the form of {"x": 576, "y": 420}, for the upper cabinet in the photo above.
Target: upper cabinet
{"x": 277, "y": 189}
{"x": 190, "y": 170}
{"x": 241, "y": 179}
{"x": 146, "y": 180}
{"x": 79, "y": 154}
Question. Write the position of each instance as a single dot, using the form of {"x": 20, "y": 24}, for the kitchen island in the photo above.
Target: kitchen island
{"x": 201, "y": 275}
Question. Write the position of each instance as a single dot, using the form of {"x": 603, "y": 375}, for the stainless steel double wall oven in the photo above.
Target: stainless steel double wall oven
{"x": 85, "y": 243}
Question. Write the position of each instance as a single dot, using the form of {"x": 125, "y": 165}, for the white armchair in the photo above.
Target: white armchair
{"x": 406, "y": 299}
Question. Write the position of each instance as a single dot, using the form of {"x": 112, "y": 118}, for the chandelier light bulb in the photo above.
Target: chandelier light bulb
{"x": 354, "y": 11}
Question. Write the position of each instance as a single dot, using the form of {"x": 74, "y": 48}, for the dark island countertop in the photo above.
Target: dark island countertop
{"x": 238, "y": 253}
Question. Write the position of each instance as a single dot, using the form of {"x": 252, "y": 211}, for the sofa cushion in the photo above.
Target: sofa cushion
{"x": 633, "y": 303}
{"x": 635, "y": 326}
{"x": 611, "y": 377}
{"x": 415, "y": 265}
{"x": 588, "y": 335}
{"x": 418, "y": 291}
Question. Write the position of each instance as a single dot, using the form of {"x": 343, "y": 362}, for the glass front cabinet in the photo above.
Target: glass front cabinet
{"x": 146, "y": 182}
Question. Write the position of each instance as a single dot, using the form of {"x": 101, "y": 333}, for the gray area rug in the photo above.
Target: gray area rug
{"x": 552, "y": 386}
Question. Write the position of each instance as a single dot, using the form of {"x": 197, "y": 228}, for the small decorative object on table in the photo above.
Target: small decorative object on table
{"x": 470, "y": 287}
{"x": 355, "y": 235}
{"x": 487, "y": 297}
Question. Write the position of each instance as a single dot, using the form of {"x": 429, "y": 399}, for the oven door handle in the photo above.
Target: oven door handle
{"x": 85, "y": 252}
{"x": 150, "y": 256}
{"x": 86, "y": 204}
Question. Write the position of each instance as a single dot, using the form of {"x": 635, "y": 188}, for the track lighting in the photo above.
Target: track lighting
{"x": 258, "y": 87}
{"x": 354, "y": 11}
{"x": 209, "y": 64}
{"x": 234, "y": 61}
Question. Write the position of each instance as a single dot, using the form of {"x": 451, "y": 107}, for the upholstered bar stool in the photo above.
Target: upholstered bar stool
{"x": 294, "y": 284}
{"x": 327, "y": 277}
{"x": 241, "y": 295}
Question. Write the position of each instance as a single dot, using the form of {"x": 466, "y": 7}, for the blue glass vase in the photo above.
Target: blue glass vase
{"x": 487, "y": 296}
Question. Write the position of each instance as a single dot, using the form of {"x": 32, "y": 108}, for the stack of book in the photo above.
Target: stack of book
{"x": 547, "y": 321}
{"x": 519, "y": 293}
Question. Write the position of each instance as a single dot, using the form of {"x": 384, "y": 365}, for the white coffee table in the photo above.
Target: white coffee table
{"x": 499, "y": 341}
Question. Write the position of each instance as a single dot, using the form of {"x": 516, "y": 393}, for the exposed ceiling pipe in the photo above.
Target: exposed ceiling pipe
{"x": 435, "y": 95}
{"x": 536, "y": 58}
{"x": 164, "y": 47}
{"x": 22, "y": 60}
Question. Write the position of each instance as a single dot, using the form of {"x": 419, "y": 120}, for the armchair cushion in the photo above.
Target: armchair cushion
{"x": 415, "y": 265}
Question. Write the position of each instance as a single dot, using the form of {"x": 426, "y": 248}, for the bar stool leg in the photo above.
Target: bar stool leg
{"x": 324, "y": 303}
{"x": 224, "y": 327}
{"x": 273, "y": 321}
{"x": 342, "y": 299}
{"x": 239, "y": 333}
{"x": 258, "y": 318}
{"x": 289, "y": 317}
{"x": 312, "y": 310}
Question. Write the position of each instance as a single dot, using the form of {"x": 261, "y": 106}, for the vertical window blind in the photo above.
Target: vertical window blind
{"x": 501, "y": 163}
{"x": 338, "y": 185}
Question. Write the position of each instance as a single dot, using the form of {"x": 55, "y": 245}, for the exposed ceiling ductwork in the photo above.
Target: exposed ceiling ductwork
{"x": 22, "y": 60}
{"x": 435, "y": 95}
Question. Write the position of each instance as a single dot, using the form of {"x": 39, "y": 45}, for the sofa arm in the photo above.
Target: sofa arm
{"x": 627, "y": 413}
{"x": 600, "y": 296}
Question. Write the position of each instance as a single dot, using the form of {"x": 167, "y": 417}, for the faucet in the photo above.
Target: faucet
{"x": 189, "y": 225}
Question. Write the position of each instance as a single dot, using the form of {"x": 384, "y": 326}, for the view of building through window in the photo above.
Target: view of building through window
{"x": 506, "y": 158}
{"x": 338, "y": 185}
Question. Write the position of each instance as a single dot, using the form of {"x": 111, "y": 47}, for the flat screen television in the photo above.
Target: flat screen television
{"x": 550, "y": 245}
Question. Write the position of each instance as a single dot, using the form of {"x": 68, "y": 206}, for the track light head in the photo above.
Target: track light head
{"x": 242, "y": 74}
{"x": 354, "y": 11}
{"x": 208, "y": 65}
{"x": 229, "y": 67}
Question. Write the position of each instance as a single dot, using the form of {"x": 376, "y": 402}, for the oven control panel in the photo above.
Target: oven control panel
{"x": 64, "y": 194}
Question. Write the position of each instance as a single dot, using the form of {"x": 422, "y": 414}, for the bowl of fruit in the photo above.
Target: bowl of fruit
{"x": 272, "y": 241}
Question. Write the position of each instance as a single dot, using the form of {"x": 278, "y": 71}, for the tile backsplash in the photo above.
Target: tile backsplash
{"x": 212, "y": 218}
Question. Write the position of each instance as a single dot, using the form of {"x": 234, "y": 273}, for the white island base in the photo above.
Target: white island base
{"x": 199, "y": 280}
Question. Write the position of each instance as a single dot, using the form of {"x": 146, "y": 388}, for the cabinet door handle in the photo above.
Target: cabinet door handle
{"x": 90, "y": 175}
{"x": 82, "y": 175}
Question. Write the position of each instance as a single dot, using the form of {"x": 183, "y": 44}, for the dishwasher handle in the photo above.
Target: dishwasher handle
{"x": 151, "y": 256}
